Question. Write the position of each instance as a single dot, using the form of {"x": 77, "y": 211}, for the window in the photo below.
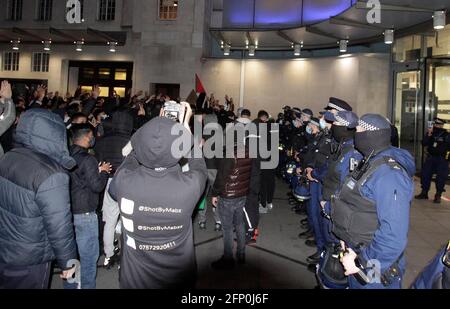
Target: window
{"x": 107, "y": 10}
{"x": 11, "y": 61}
{"x": 168, "y": 9}
{"x": 40, "y": 62}
{"x": 104, "y": 73}
{"x": 121, "y": 74}
{"x": 15, "y": 9}
{"x": 44, "y": 10}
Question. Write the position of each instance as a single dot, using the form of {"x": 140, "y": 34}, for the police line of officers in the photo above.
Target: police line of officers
{"x": 361, "y": 188}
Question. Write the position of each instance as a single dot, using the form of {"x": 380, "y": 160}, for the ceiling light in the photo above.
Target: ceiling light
{"x": 47, "y": 45}
{"x": 112, "y": 46}
{"x": 251, "y": 50}
{"x": 79, "y": 45}
{"x": 226, "y": 50}
{"x": 15, "y": 44}
{"x": 343, "y": 46}
{"x": 297, "y": 49}
{"x": 439, "y": 20}
{"x": 389, "y": 36}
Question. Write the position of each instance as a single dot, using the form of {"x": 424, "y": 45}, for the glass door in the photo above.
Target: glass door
{"x": 408, "y": 112}
{"x": 438, "y": 94}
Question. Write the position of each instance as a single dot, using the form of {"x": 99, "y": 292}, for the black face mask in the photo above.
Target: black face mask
{"x": 373, "y": 141}
{"x": 438, "y": 130}
{"x": 341, "y": 133}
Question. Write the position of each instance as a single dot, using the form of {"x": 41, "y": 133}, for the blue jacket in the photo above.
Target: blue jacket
{"x": 35, "y": 218}
{"x": 392, "y": 190}
{"x": 429, "y": 277}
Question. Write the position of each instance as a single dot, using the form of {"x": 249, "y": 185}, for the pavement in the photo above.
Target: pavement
{"x": 278, "y": 260}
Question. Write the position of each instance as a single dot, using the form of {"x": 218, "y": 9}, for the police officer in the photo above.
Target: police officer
{"x": 437, "y": 141}
{"x": 337, "y": 105}
{"x": 343, "y": 161}
{"x": 437, "y": 274}
{"x": 370, "y": 213}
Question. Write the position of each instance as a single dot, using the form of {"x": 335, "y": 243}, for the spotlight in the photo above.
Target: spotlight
{"x": 79, "y": 45}
{"x": 343, "y": 46}
{"x": 226, "y": 50}
{"x": 47, "y": 45}
{"x": 112, "y": 46}
{"x": 15, "y": 44}
{"x": 251, "y": 50}
{"x": 297, "y": 49}
{"x": 439, "y": 20}
{"x": 389, "y": 36}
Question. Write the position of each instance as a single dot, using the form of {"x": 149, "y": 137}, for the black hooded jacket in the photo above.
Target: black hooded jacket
{"x": 157, "y": 199}
{"x": 109, "y": 148}
{"x": 35, "y": 218}
{"x": 86, "y": 182}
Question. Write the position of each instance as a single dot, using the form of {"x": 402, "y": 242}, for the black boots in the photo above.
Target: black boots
{"x": 437, "y": 198}
{"x": 422, "y": 196}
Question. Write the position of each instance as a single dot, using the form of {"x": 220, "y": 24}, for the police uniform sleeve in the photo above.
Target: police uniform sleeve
{"x": 392, "y": 192}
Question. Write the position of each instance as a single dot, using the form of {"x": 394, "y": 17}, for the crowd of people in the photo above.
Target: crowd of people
{"x": 101, "y": 175}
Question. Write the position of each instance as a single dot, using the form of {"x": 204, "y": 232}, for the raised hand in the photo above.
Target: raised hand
{"x": 5, "y": 90}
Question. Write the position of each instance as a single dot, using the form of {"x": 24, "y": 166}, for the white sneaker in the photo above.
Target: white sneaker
{"x": 270, "y": 206}
{"x": 262, "y": 210}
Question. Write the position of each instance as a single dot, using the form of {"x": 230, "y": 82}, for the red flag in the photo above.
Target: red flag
{"x": 198, "y": 85}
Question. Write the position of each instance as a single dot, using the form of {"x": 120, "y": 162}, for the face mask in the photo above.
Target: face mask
{"x": 309, "y": 130}
{"x": 323, "y": 124}
{"x": 104, "y": 117}
{"x": 373, "y": 141}
{"x": 341, "y": 133}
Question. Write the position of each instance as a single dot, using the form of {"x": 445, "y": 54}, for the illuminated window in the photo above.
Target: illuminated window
{"x": 121, "y": 74}
{"x": 40, "y": 62}
{"x": 104, "y": 73}
{"x": 120, "y": 91}
{"x": 107, "y": 10}
{"x": 104, "y": 91}
{"x": 11, "y": 61}
{"x": 15, "y": 9}
{"x": 168, "y": 9}
{"x": 44, "y": 12}
{"x": 88, "y": 73}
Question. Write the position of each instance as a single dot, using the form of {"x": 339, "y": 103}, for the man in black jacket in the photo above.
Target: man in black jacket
{"x": 109, "y": 149}
{"x": 88, "y": 180}
{"x": 35, "y": 219}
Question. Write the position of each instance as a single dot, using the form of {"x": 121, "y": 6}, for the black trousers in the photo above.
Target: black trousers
{"x": 251, "y": 212}
{"x": 25, "y": 277}
{"x": 267, "y": 186}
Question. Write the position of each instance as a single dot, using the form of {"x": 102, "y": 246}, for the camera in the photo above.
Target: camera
{"x": 172, "y": 110}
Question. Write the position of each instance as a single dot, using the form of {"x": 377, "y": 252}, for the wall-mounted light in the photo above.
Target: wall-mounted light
{"x": 297, "y": 49}
{"x": 389, "y": 36}
{"x": 15, "y": 44}
{"x": 79, "y": 45}
{"x": 226, "y": 50}
{"x": 343, "y": 46}
{"x": 112, "y": 46}
{"x": 47, "y": 45}
{"x": 439, "y": 20}
{"x": 251, "y": 50}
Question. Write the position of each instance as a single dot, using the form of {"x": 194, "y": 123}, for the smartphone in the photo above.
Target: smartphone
{"x": 430, "y": 124}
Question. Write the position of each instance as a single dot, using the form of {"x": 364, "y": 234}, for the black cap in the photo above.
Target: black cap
{"x": 308, "y": 112}
{"x": 439, "y": 121}
{"x": 297, "y": 111}
{"x": 338, "y": 104}
{"x": 315, "y": 121}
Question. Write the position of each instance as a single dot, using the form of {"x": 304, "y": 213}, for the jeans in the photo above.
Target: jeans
{"x": 86, "y": 236}
{"x": 24, "y": 277}
{"x": 111, "y": 214}
{"x": 231, "y": 212}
